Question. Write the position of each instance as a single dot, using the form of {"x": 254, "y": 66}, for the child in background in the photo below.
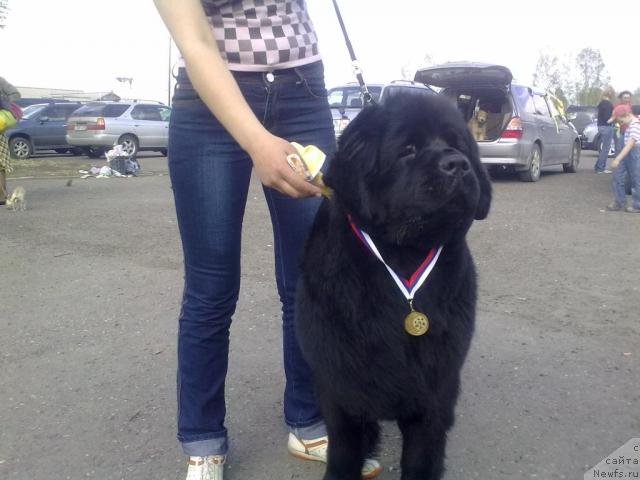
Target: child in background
{"x": 627, "y": 162}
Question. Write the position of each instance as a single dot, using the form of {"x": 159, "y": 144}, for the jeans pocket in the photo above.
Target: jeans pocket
{"x": 315, "y": 87}
{"x": 185, "y": 95}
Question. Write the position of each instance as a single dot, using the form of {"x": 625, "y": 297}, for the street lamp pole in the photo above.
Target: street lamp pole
{"x": 169, "y": 76}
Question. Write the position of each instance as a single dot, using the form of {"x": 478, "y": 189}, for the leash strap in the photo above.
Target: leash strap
{"x": 366, "y": 95}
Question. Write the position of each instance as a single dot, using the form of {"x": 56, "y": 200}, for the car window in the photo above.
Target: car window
{"x": 146, "y": 112}
{"x": 113, "y": 111}
{"x": 335, "y": 97}
{"x": 102, "y": 110}
{"x": 55, "y": 112}
{"x": 32, "y": 110}
{"x": 555, "y": 113}
{"x": 165, "y": 113}
{"x": 540, "y": 105}
{"x": 69, "y": 109}
{"x": 353, "y": 98}
{"x": 524, "y": 99}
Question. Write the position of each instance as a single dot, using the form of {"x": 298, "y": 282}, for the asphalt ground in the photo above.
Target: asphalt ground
{"x": 91, "y": 284}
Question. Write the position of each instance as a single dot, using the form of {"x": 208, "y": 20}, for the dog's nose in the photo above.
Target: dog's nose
{"x": 454, "y": 164}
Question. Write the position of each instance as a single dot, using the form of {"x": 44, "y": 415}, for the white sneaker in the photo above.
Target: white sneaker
{"x": 316, "y": 449}
{"x": 210, "y": 467}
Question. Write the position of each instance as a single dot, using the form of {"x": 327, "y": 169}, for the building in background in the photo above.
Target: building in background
{"x": 65, "y": 94}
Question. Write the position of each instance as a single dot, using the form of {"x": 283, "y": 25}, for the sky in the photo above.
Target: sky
{"x": 86, "y": 44}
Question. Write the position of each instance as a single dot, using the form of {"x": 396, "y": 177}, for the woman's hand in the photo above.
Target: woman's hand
{"x": 269, "y": 155}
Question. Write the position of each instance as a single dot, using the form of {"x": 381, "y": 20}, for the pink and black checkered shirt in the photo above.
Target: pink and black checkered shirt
{"x": 262, "y": 35}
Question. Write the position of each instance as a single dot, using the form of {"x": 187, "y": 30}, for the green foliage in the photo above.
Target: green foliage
{"x": 581, "y": 82}
{"x": 592, "y": 76}
{"x": 589, "y": 96}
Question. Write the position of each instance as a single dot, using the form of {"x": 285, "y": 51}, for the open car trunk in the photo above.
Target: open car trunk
{"x": 487, "y": 110}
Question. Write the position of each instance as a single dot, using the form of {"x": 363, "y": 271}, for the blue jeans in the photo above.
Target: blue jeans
{"x": 606, "y": 133}
{"x": 210, "y": 179}
{"x": 618, "y": 141}
{"x": 629, "y": 165}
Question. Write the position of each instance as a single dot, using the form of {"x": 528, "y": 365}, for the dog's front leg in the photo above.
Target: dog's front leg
{"x": 423, "y": 446}
{"x": 346, "y": 445}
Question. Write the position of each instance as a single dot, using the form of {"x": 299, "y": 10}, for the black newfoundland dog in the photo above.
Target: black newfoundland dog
{"x": 407, "y": 177}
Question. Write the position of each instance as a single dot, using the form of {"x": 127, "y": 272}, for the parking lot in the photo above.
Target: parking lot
{"x": 91, "y": 286}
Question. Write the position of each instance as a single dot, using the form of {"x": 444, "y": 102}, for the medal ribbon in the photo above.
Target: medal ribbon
{"x": 409, "y": 286}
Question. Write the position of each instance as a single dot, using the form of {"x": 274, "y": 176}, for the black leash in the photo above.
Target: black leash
{"x": 366, "y": 95}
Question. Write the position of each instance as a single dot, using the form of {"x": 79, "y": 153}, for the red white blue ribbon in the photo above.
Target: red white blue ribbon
{"x": 408, "y": 286}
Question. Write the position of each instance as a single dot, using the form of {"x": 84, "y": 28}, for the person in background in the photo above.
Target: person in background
{"x": 606, "y": 130}
{"x": 625, "y": 97}
{"x": 627, "y": 162}
{"x": 252, "y": 81}
{"x": 8, "y": 93}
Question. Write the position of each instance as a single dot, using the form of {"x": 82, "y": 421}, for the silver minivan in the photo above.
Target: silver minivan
{"x": 136, "y": 125}
{"x": 346, "y": 100}
{"x": 523, "y": 128}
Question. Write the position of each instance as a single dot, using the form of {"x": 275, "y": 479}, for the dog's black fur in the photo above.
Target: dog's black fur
{"x": 409, "y": 174}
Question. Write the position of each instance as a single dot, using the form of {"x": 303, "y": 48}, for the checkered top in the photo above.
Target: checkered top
{"x": 263, "y": 35}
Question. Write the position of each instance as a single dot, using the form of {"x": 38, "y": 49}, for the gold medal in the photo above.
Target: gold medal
{"x": 416, "y": 323}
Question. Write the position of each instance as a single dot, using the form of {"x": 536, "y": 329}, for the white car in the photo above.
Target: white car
{"x": 136, "y": 125}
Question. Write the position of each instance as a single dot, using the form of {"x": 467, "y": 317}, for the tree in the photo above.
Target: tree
{"x": 591, "y": 76}
{"x": 3, "y": 12}
{"x": 551, "y": 74}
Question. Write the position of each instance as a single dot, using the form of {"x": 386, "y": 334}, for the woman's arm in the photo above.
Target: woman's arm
{"x": 213, "y": 81}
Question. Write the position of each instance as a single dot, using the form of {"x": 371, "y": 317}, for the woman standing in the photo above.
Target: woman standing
{"x": 8, "y": 93}
{"x": 606, "y": 130}
{"x": 252, "y": 78}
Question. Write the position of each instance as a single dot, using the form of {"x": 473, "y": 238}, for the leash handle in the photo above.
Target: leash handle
{"x": 366, "y": 95}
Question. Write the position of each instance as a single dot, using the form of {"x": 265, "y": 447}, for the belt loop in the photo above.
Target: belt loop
{"x": 301, "y": 78}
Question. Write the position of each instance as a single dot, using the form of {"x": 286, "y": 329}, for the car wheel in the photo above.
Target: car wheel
{"x": 20, "y": 148}
{"x": 77, "y": 151}
{"x": 532, "y": 174}
{"x": 164, "y": 152}
{"x": 129, "y": 144}
{"x": 61, "y": 150}
{"x": 574, "y": 160}
{"x": 94, "y": 152}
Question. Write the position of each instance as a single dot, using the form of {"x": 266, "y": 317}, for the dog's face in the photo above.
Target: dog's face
{"x": 481, "y": 116}
{"x": 409, "y": 172}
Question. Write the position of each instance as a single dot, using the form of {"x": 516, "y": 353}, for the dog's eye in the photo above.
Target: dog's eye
{"x": 408, "y": 150}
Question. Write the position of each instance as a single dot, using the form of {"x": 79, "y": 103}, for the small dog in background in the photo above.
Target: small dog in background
{"x": 16, "y": 200}
{"x": 478, "y": 125}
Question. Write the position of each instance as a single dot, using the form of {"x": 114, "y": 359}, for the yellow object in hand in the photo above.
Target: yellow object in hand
{"x": 307, "y": 163}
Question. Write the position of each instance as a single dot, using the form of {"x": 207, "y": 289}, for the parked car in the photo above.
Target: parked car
{"x": 523, "y": 130}
{"x": 581, "y": 116}
{"x": 590, "y": 137}
{"x": 42, "y": 127}
{"x": 27, "y": 101}
{"x": 137, "y": 125}
{"x": 346, "y": 100}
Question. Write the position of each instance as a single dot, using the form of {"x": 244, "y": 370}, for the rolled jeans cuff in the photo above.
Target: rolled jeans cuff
{"x": 312, "y": 431}
{"x": 209, "y": 446}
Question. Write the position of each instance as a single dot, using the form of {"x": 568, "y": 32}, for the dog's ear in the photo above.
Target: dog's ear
{"x": 356, "y": 159}
{"x": 484, "y": 202}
